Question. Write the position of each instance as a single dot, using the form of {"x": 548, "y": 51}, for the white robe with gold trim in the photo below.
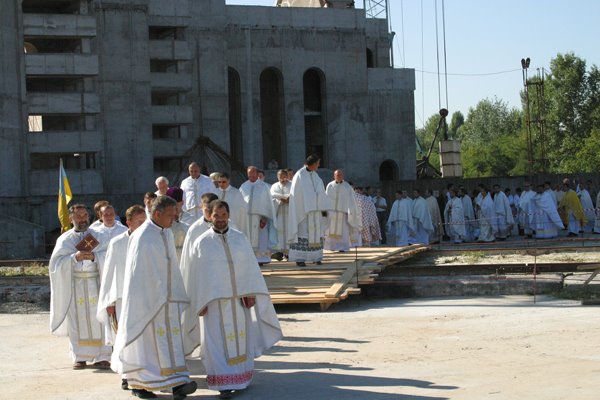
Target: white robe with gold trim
{"x": 222, "y": 271}
{"x": 238, "y": 208}
{"x": 74, "y": 299}
{"x": 308, "y": 218}
{"x": 345, "y": 218}
{"x": 257, "y": 195}
{"x": 149, "y": 343}
{"x": 111, "y": 286}
{"x": 281, "y": 192}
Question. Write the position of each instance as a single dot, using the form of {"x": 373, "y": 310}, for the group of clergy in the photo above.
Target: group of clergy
{"x": 180, "y": 278}
{"x": 128, "y": 301}
{"x": 539, "y": 212}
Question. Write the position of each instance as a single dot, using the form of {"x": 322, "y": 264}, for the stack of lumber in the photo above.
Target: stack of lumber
{"x": 338, "y": 277}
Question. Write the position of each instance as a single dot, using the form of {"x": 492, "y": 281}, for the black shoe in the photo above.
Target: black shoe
{"x": 124, "y": 384}
{"x": 181, "y": 391}
{"x": 319, "y": 263}
{"x": 277, "y": 256}
{"x": 143, "y": 394}
{"x": 571, "y": 234}
{"x": 300, "y": 264}
{"x": 225, "y": 394}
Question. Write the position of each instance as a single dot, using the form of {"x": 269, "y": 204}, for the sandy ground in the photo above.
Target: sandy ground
{"x": 484, "y": 348}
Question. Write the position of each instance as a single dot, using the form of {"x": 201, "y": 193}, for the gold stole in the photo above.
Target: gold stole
{"x": 85, "y": 295}
{"x": 167, "y": 328}
{"x": 233, "y": 318}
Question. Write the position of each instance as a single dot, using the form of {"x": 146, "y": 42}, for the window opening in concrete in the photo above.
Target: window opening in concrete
{"x": 41, "y": 161}
{"x": 315, "y": 131}
{"x": 51, "y": 6}
{"x": 163, "y": 66}
{"x": 165, "y": 98}
{"x": 388, "y": 171}
{"x": 166, "y": 33}
{"x": 236, "y": 140}
{"x": 35, "y": 123}
{"x": 53, "y": 85}
{"x": 53, "y": 45}
{"x": 370, "y": 59}
{"x": 62, "y": 123}
{"x": 166, "y": 131}
{"x": 169, "y": 166}
{"x": 272, "y": 111}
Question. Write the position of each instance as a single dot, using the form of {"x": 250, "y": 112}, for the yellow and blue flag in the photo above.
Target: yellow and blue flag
{"x": 64, "y": 197}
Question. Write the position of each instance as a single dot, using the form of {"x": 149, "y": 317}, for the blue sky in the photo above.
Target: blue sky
{"x": 485, "y": 42}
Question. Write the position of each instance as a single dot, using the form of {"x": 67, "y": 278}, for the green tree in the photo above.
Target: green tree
{"x": 493, "y": 140}
{"x": 587, "y": 158}
{"x": 573, "y": 109}
{"x": 458, "y": 120}
{"x": 488, "y": 120}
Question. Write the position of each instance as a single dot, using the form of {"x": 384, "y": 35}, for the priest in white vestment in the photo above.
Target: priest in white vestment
{"x": 345, "y": 217}
{"x": 194, "y": 186}
{"x": 237, "y": 204}
{"x": 280, "y": 192}
{"x": 196, "y": 230}
{"x": 179, "y": 228}
{"x": 370, "y": 230}
{"x": 588, "y": 207}
{"x": 488, "y": 226}
{"x": 436, "y": 217}
{"x": 469, "y": 215}
{"x": 544, "y": 217}
{"x": 308, "y": 214}
{"x": 108, "y": 229}
{"x": 113, "y": 275}
{"x": 400, "y": 221}
{"x": 572, "y": 213}
{"x": 454, "y": 215}
{"x": 421, "y": 220}
{"x": 75, "y": 284}
{"x": 228, "y": 292}
{"x": 524, "y": 212}
{"x": 149, "y": 343}
{"x": 504, "y": 214}
{"x": 262, "y": 228}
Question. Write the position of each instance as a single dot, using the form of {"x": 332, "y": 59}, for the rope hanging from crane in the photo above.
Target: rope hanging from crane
{"x": 423, "y": 165}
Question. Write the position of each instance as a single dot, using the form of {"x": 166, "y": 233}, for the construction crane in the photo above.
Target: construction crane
{"x": 424, "y": 167}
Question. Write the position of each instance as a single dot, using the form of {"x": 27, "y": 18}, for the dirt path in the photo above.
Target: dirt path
{"x": 484, "y": 348}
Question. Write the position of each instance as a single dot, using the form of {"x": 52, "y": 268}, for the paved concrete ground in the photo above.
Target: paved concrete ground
{"x": 484, "y": 348}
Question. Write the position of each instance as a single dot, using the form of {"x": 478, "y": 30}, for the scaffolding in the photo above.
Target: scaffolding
{"x": 376, "y": 8}
{"x": 535, "y": 121}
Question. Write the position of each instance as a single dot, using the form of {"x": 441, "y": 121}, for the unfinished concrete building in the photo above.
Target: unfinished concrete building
{"x": 127, "y": 90}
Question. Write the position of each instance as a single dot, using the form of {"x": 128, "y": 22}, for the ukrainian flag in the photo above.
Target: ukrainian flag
{"x": 64, "y": 197}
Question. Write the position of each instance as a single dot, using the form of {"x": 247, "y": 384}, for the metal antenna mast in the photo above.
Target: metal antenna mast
{"x": 376, "y": 8}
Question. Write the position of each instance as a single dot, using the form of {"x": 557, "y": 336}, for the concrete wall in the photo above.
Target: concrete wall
{"x": 368, "y": 112}
{"x": 125, "y": 91}
{"x": 21, "y": 239}
{"x": 12, "y": 117}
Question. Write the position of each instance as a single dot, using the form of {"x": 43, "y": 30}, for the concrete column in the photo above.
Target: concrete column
{"x": 124, "y": 87}
{"x": 13, "y": 160}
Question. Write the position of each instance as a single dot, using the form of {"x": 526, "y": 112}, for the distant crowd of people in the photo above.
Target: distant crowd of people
{"x": 485, "y": 215}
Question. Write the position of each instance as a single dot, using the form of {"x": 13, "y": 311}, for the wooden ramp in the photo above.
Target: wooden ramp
{"x": 338, "y": 277}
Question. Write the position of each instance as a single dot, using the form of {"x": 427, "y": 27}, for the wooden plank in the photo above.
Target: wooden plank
{"x": 588, "y": 267}
{"x": 342, "y": 282}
